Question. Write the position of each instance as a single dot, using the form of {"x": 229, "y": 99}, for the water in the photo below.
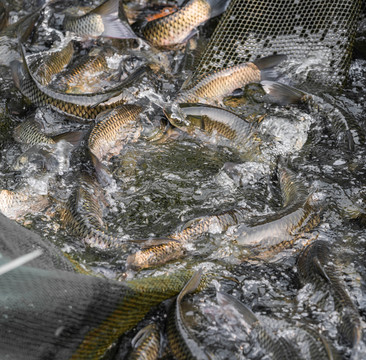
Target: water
{"x": 159, "y": 185}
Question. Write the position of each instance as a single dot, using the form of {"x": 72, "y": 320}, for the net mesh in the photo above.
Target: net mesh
{"x": 50, "y": 312}
{"x": 305, "y": 30}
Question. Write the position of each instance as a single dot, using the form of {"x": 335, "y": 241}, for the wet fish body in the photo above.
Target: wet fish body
{"x": 182, "y": 344}
{"x": 155, "y": 255}
{"x": 215, "y": 120}
{"x": 29, "y": 132}
{"x": 101, "y": 21}
{"x": 160, "y": 251}
{"x": 84, "y": 107}
{"x": 314, "y": 265}
{"x": 279, "y": 229}
{"x": 178, "y": 27}
{"x": 15, "y": 205}
{"x": 279, "y": 348}
{"x": 52, "y": 63}
{"x": 146, "y": 344}
{"x": 74, "y": 79}
{"x": 213, "y": 87}
{"x": 83, "y": 214}
{"x": 108, "y": 130}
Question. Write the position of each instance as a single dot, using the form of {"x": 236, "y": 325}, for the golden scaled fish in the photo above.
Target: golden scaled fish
{"x": 15, "y": 205}
{"x": 216, "y": 121}
{"x": 182, "y": 343}
{"x": 30, "y": 132}
{"x": 83, "y": 214}
{"x": 315, "y": 265}
{"x": 146, "y": 344}
{"x": 50, "y": 64}
{"x": 281, "y": 229}
{"x": 178, "y": 27}
{"x": 83, "y": 76}
{"x": 157, "y": 252}
{"x": 105, "y": 20}
{"x": 212, "y": 87}
{"x": 79, "y": 106}
{"x": 156, "y": 255}
{"x": 110, "y": 128}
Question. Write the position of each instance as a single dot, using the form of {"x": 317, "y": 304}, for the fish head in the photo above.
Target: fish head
{"x": 175, "y": 115}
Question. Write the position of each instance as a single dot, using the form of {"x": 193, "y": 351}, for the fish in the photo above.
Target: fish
{"x": 215, "y": 121}
{"x": 155, "y": 255}
{"x": 104, "y": 20}
{"x": 212, "y": 87}
{"x": 136, "y": 298}
{"x": 319, "y": 347}
{"x": 30, "y": 132}
{"x": 81, "y": 107}
{"x": 281, "y": 229}
{"x": 292, "y": 190}
{"x": 17, "y": 204}
{"x": 180, "y": 26}
{"x": 146, "y": 344}
{"x": 315, "y": 265}
{"x": 277, "y": 347}
{"x": 82, "y": 76}
{"x": 83, "y": 214}
{"x": 182, "y": 343}
{"x": 111, "y": 127}
{"x": 159, "y": 251}
{"x": 12, "y": 34}
{"x": 344, "y": 128}
{"x": 51, "y": 63}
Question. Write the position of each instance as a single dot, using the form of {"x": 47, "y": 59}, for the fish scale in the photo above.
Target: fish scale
{"x": 176, "y": 27}
{"x": 84, "y": 215}
{"x": 108, "y": 128}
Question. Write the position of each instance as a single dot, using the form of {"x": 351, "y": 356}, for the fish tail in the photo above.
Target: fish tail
{"x": 267, "y": 64}
{"x": 114, "y": 26}
{"x": 191, "y": 285}
{"x": 73, "y": 137}
{"x": 227, "y": 299}
{"x": 282, "y": 94}
{"x": 217, "y": 6}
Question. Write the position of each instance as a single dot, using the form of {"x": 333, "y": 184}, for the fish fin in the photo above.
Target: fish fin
{"x": 266, "y": 66}
{"x": 218, "y": 6}
{"x": 16, "y": 68}
{"x": 282, "y": 94}
{"x": 320, "y": 269}
{"x": 114, "y": 27}
{"x": 73, "y": 137}
{"x": 142, "y": 334}
{"x": 191, "y": 285}
{"x": 227, "y": 299}
{"x": 101, "y": 171}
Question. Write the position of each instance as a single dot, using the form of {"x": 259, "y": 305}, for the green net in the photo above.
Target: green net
{"x": 319, "y": 33}
{"x": 50, "y": 313}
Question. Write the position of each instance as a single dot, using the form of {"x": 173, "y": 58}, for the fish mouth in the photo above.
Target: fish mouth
{"x": 175, "y": 115}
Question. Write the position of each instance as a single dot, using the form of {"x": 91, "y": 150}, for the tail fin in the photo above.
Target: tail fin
{"x": 266, "y": 65}
{"x": 114, "y": 26}
{"x": 218, "y": 6}
{"x": 73, "y": 137}
{"x": 282, "y": 94}
{"x": 225, "y": 299}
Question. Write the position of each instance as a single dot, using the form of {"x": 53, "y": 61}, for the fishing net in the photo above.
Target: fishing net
{"x": 315, "y": 33}
{"x": 50, "y": 312}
